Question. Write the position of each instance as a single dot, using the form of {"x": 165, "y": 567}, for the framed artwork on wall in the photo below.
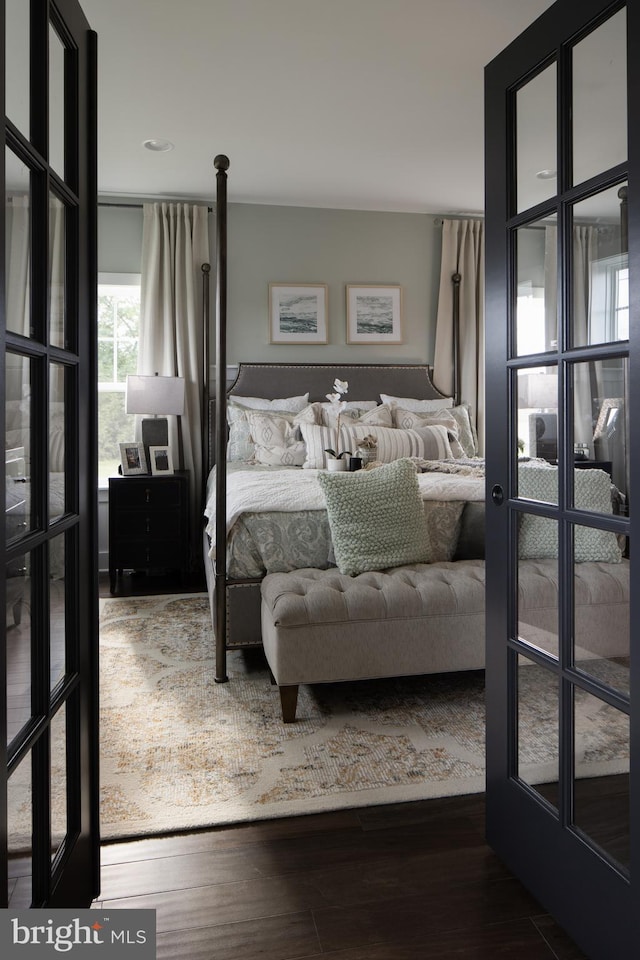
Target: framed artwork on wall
{"x": 298, "y": 313}
{"x": 374, "y": 313}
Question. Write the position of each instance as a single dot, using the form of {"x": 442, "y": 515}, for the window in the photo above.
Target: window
{"x": 118, "y": 333}
{"x": 609, "y": 300}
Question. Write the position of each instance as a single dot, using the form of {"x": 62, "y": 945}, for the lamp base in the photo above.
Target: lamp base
{"x": 155, "y": 433}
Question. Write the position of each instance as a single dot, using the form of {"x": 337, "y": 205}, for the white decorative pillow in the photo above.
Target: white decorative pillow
{"x": 428, "y": 443}
{"x": 276, "y": 438}
{"x": 354, "y": 410}
{"x": 408, "y": 420}
{"x": 466, "y": 430}
{"x": 418, "y": 406}
{"x": 538, "y": 536}
{"x": 378, "y": 416}
{"x": 239, "y": 446}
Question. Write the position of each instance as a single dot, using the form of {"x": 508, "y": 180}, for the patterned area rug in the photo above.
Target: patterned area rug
{"x": 179, "y": 751}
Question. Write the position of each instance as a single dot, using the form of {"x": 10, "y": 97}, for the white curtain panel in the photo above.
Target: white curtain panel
{"x": 463, "y": 253}
{"x": 18, "y": 215}
{"x": 584, "y": 252}
{"x": 175, "y": 244}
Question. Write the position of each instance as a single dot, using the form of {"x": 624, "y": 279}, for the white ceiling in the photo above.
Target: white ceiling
{"x": 355, "y": 104}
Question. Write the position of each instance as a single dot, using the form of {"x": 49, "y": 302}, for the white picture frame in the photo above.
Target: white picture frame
{"x": 298, "y": 312}
{"x": 374, "y": 313}
{"x": 133, "y": 459}
{"x": 161, "y": 461}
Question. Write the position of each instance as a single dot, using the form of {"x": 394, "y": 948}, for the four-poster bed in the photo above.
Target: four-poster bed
{"x": 293, "y": 388}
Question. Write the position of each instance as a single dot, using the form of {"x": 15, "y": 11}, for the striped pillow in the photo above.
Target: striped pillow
{"x": 408, "y": 420}
{"x": 428, "y": 443}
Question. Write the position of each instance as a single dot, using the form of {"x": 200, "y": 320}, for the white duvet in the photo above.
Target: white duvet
{"x": 250, "y": 491}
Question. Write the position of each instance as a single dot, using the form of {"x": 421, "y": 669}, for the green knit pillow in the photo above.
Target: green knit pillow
{"x": 376, "y": 517}
{"x": 539, "y": 535}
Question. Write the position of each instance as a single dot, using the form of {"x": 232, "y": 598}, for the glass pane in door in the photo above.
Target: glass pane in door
{"x": 57, "y": 441}
{"x": 601, "y": 422}
{"x": 17, "y": 61}
{"x": 536, "y": 328}
{"x": 600, "y": 99}
{"x": 601, "y": 633}
{"x": 19, "y": 641}
{"x": 20, "y": 831}
{"x": 59, "y": 800}
{"x": 18, "y": 379}
{"x": 57, "y": 609}
{"x": 57, "y": 264}
{"x": 56, "y": 102}
{"x": 600, "y": 268}
{"x": 537, "y": 412}
{"x": 536, "y": 134}
{"x": 17, "y": 245}
{"x": 538, "y": 718}
{"x": 537, "y": 604}
{"x": 601, "y": 776}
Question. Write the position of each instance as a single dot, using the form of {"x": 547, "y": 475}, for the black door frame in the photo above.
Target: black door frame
{"x": 586, "y": 894}
{"x": 72, "y": 877}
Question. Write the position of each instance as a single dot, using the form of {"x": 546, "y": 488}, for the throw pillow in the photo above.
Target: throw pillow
{"x": 539, "y": 535}
{"x": 427, "y": 443}
{"x": 461, "y": 416}
{"x": 409, "y": 420}
{"x": 376, "y": 518}
{"x": 239, "y": 446}
{"x": 377, "y": 415}
{"x": 418, "y": 406}
{"x": 276, "y": 438}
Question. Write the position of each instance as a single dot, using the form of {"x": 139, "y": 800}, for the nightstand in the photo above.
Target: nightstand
{"x": 148, "y": 524}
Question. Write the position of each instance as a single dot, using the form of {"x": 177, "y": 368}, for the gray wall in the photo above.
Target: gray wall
{"x": 305, "y": 244}
{"x": 119, "y": 239}
{"x": 336, "y": 247}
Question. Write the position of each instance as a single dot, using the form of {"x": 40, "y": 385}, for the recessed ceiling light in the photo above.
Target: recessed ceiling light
{"x": 546, "y": 174}
{"x": 158, "y": 146}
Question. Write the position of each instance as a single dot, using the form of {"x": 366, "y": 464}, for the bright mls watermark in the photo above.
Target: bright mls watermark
{"x": 78, "y": 933}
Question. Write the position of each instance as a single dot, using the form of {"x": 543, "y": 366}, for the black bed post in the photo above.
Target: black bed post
{"x": 206, "y": 361}
{"x": 456, "y": 279}
{"x": 221, "y": 163}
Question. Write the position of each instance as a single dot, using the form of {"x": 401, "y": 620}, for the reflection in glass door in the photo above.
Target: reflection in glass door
{"x": 559, "y": 632}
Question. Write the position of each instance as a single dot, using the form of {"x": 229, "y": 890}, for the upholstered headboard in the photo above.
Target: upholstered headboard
{"x": 366, "y": 382}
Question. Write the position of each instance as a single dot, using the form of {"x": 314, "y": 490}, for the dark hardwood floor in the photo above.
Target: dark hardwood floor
{"x": 412, "y": 881}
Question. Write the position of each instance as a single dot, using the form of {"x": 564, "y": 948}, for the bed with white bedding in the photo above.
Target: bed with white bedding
{"x": 274, "y": 517}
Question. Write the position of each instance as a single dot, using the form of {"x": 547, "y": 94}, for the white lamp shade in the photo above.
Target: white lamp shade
{"x": 538, "y": 391}
{"x": 155, "y": 395}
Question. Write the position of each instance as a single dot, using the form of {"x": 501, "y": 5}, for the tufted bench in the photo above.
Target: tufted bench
{"x": 320, "y": 626}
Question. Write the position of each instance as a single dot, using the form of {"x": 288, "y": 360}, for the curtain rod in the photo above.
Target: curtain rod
{"x": 138, "y": 206}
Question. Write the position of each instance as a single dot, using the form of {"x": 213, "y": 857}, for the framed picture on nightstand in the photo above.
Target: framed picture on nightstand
{"x": 133, "y": 459}
{"x": 161, "y": 461}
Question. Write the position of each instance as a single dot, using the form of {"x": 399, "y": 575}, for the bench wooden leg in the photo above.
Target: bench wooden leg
{"x": 289, "y": 702}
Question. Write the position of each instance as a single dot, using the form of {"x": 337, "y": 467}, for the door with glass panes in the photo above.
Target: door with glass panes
{"x": 561, "y": 315}
{"x": 49, "y": 784}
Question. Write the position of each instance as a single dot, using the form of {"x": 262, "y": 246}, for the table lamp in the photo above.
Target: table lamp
{"x": 155, "y": 397}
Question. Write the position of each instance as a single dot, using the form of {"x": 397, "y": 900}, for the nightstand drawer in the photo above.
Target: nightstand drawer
{"x": 141, "y": 555}
{"x": 152, "y": 524}
{"x": 148, "y": 492}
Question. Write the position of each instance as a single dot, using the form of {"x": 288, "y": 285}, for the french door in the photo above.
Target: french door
{"x": 563, "y": 291}
{"x": 48, "y": 581}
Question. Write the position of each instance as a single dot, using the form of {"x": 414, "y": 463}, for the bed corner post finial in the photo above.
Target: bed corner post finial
{"x": 221, "y": 162}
